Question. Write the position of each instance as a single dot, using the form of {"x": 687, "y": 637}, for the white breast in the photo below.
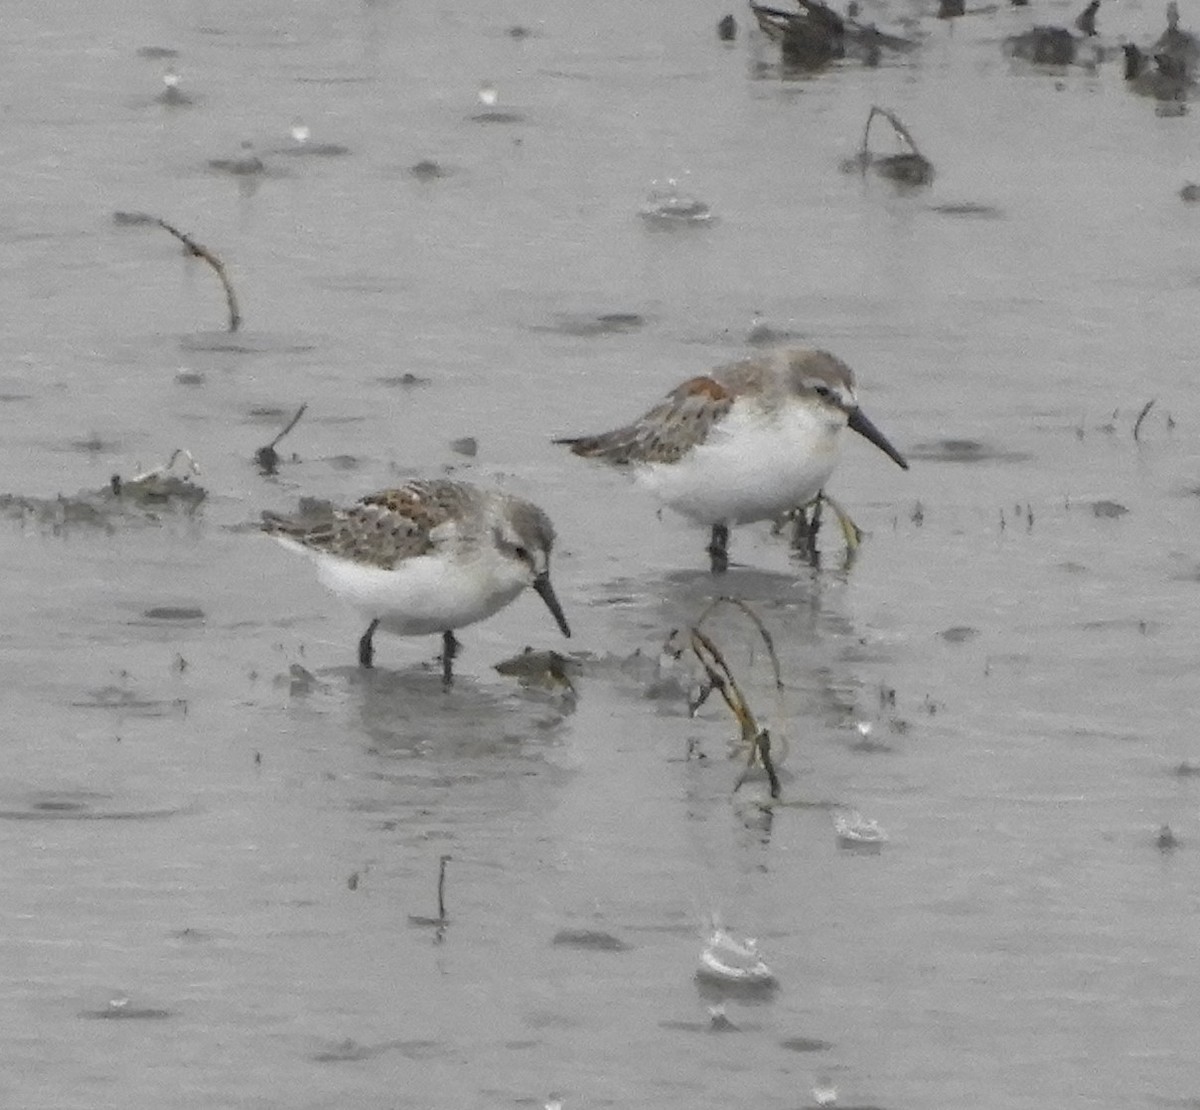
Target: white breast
{"x": 426, "y": 594}
{"x": 754, "y": 465}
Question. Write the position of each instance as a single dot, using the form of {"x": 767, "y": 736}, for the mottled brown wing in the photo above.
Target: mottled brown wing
{"x": 384, "y": 527}
{"x": 665, "y": 433}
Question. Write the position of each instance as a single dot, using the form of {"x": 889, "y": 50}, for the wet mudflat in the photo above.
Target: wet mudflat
{"x": 222, "y": 839}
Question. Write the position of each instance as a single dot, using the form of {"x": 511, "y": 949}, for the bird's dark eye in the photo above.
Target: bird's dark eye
{"x": 822, "y": 391}
{"x": 522, "y": 553}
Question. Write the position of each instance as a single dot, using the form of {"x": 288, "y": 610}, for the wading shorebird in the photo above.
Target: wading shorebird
{"x": 744, "y": 442}
{"x": 426, "y": 557}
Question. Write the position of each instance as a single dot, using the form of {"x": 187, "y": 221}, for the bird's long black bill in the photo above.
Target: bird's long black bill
{"x": 859, "y": 423}
{"x": 546, "y": 592}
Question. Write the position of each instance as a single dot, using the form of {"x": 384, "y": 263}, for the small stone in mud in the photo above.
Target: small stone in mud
{"x": 1108, "y": 510}
{"x": 404, "y": 380}
{"x": 1190, "y": 193}
{"x": 805, "y": 1044}
{"x": 267, "y": 459}
{"x": 959, "y": 634}
{"x": 718, "y": 1021}
{"x": 591, "y": 939}
{"x": 1166, "y": 841}
{"x": 1187, "y": 769}
{"x": 174, "y": 613}
{"x": 465, "y": 445}
{"x": 300, "y": 680}
{"x": 905, "y": 169}
{"x": 427, "y": 170}
{"x": 93, "y": 445}
{"x": 727, "y": 29}
{"x": 188, "y": 377}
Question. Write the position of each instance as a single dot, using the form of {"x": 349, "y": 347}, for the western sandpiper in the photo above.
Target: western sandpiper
{"x": 744, "y": 442}
{"x": 426, "y": 557}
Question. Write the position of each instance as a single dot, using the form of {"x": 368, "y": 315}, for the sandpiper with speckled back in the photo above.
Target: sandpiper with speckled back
{"x": 426, "y": 557}
{"x": 747, "y": 441}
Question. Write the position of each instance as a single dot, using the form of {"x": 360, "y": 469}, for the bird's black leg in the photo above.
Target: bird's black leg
{"x": 450, "y": 648}
{"x": 718, "y": 548}
{"x": 366, "y": 650}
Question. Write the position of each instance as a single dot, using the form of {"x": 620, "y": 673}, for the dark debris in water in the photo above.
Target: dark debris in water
{"x": 717, "y": 1022}
{"x": 968, "y": 208}
{"x": 127, "y": 701}
{"x": 1166, "y": 840}
{"x": 868, "y": 744}
{"x": 245, "y": 343}
{"x": 963, "y": 451}
{"x": 428, "y": 170}
{"x": 805, "y": 1044}
{"x": 907, "y": 169}
{"x": 267, "y": 458}
{"x": 592, "y": 940}
{"x": 1186, "y": 769}
{"x": 541, "y": 669}
{"x": 349, "y": 1051}
{"x": 959, "y": 634}
{"x": 588, "y": 325}
{"x": 76, "y": 805}
{"x": 403, "y": 381}
{"x": 121, "y": 1009}
{"x": 1108, "y": 510}
{"x": 496, "y": 116}
{"x": 1044, "y": 45}
{"x": 142, "y": 498}
{"x": 174, "y": 613}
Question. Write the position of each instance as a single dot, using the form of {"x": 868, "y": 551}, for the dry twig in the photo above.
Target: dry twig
{"x": 267, "y": 457}
{"x": 1137, "y": 424}
{"x": 720, "y": 678}
{"x": 198, "y": 250}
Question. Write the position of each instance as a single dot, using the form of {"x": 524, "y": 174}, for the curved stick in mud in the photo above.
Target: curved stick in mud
{"x": 198, "y": 250}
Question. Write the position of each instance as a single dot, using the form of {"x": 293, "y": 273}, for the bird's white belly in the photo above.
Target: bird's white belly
{"x": 423, "y": 595}
{"x": 752, "y": 467}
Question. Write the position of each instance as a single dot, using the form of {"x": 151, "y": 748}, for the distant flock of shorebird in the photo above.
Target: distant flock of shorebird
{"x": 816, "y": 34}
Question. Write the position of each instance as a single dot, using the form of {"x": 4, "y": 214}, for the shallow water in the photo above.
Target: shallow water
{"x": 216, "y": 829}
